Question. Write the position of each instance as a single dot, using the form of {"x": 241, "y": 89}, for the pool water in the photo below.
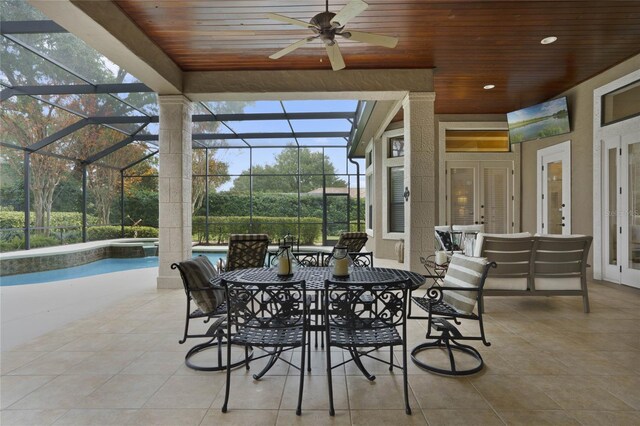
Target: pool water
{"x": 98, "y": 267}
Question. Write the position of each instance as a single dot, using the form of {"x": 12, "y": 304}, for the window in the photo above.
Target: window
{"x": 396, "y": 146}
{"x": 369, "y": 188}
{"x": 393, "y": 185}
{"x": 396, "y": 199}
{"x": 621, "y": 104}
{"x": 477, "y": 141}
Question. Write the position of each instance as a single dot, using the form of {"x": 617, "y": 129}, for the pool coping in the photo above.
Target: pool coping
{"x": 59, "y": 257}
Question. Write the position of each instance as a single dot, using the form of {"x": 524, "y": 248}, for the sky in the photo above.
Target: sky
{"x": 540, "y": 110}
{"x": 238, "y": 158}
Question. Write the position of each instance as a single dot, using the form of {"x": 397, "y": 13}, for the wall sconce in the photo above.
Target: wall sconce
{"x": 406, "y": 193}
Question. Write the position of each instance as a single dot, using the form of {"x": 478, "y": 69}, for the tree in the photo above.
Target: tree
{"x": 26, "y": 120}
{"x": 286, "y": 166}
{"x": 216, "y": 167}
{"x": 198, "y": 187}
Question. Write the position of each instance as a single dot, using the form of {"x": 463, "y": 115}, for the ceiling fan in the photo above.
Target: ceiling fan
{"x": 327, "y": 25}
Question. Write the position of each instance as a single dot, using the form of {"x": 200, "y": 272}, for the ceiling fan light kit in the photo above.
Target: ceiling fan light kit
{"x": 327, "y": 25}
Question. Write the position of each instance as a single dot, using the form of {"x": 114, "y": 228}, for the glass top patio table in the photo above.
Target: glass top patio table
{"x": 316, "y": 276}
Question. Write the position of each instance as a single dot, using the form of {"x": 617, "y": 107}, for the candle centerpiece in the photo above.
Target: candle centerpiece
{"x": 341, "y": 263}
{"x": 285, "y": 262}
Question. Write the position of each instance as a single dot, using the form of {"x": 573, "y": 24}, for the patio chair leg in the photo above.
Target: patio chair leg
{"x": 228, "y": 386}
{"x": 308, "y": 353}
{"x": 404, "y": 370}
{"x": 299, "y": 409}
{"x": 246, "y": 356}
{"x": 332, "y": 412}
{"x": 390, "y": 358}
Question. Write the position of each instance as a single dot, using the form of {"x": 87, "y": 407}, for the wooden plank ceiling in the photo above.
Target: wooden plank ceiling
{"x": 469, "y": 43}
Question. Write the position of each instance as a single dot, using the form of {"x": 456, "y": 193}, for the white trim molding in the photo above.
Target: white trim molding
{"x": 443, "y": 157}
{"x": 388, "y": 163}
{"x": 599, "y": 134}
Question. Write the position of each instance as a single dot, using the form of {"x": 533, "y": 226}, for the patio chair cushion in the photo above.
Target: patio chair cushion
{"x": 198, "y": 273}
{"x": 463, "y": 272}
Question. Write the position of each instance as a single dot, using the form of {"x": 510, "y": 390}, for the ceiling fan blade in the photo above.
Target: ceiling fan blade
{"x": 375, "y": 39}
{"x": 351, "y": 10}
{"x": 291, "y": 48}
{"x": 288, "y": 20}
{"x": 335, "y": 57}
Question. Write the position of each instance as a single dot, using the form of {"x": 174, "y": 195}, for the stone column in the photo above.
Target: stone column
{"x": 174, "y": 187}
{"x": 419, "y": 177}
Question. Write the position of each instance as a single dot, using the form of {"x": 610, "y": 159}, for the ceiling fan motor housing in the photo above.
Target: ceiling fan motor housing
{"x": 323, "y": 27}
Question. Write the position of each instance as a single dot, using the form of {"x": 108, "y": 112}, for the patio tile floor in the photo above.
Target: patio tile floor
{"x": 549, "y": 363}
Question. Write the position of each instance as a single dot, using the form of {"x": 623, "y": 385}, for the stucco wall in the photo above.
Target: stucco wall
{"x": 580, "y": 101}
{"x": 385, "y": 248}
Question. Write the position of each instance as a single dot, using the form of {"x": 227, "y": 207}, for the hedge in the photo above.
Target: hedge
{"x": 11, "y": 241}
{"x": 221, "y": 227}
{"x": 13, "y": 219}
{"x": 266, "y": 204}
{"x": 96, "y": 233}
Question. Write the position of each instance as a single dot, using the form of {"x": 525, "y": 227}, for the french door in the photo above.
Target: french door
{"x": 621, "y": 208}
{"x": 481, "y": 192}
{"x": 554, "y": 189}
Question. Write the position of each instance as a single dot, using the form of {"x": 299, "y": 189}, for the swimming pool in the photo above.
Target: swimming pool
{"x": 98, "y": 267}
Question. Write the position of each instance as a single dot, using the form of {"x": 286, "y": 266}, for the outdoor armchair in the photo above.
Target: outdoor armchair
{"x": 197, "y": 275}
{"x": 363, "y": 317}
{"x": 268, "y": 316}
{"x": 446, "y": 305}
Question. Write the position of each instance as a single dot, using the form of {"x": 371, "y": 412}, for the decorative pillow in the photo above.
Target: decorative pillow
{"x": 445, "y": 238}
{"x": 198, "y": 273}
{"x": 463, "y": 272}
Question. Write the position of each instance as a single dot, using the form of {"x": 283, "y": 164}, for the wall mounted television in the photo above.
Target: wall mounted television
{"x": 539, "y": 121}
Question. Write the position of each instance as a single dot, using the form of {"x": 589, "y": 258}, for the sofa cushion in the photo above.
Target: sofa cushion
{"x": 505, "y": 283}
{"x": 571, "y": 283}
{"x": 463, "y": 272}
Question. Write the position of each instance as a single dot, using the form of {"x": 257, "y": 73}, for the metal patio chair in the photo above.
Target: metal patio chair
{"x": 245, "y": 251}
{"x": 210, "y": 304}
{"x": 268, "y": 316}
{"x": 363, "y": 327}
{"x": 446, "y": 305}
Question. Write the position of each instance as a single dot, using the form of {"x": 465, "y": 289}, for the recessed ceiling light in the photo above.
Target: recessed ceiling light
{"x": 489, "y": 86}
{"x": 548, "y": 40}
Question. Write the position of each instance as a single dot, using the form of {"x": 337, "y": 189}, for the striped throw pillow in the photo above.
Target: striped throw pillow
{"x": 198, "y": 273}
{"x": 463, "y": 272}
